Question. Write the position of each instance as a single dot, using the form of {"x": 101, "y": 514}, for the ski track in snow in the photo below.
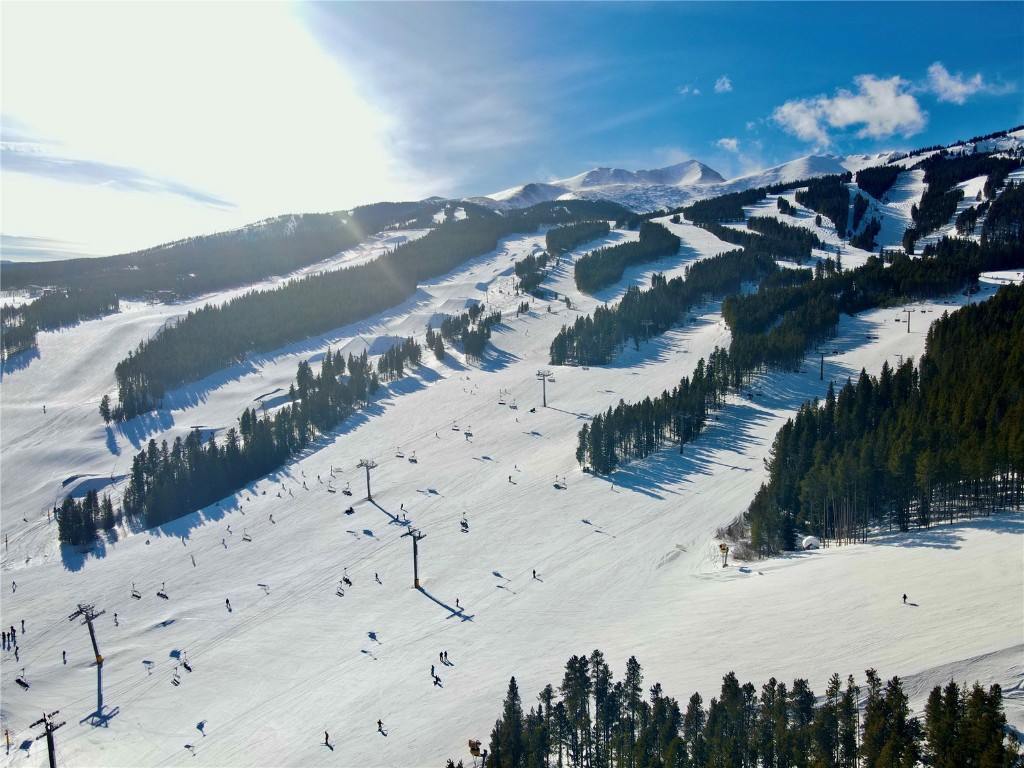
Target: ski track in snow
{"x": 627, "y": 564}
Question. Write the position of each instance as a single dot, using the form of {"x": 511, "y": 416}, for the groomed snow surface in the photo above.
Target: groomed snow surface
{"x": 628, "y": 564}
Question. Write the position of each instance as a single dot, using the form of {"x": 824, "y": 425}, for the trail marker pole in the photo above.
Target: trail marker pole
{"x": 368, "y": 464}
{"x": 416, "y": 536}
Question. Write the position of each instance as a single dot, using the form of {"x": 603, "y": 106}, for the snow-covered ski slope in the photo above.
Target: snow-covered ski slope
{"x": 627, "y": 564}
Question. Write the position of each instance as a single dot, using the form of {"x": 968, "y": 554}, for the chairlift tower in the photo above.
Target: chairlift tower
{"x": 821, "y": 370}
{"x": 543, "y": 375}
{"x": 47, "y": 722}
{"x": 88, "y": 614}
{"x": 416, "y": 536}
{"x": 368, "y": 464}
{"x": 908, "y": 311}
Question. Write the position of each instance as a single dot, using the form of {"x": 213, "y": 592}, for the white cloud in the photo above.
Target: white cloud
{"x": 688, "y": 90}
{"x": 723, "y": 84}
{"x": 881, "y": 107}
{"x": 954, "y": 88}
{"x": 729, "y": 145}
{"x": 803, "y": 118}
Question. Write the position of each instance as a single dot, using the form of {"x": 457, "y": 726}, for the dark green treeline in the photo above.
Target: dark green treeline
{"x": 594, "y": 721}
{"x": 915, "y": 445}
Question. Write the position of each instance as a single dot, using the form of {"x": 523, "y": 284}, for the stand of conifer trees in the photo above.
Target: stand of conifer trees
{"x": 55, "y": 309}
{"x": 560, "y": 239}
{"x": 639, "y": 315}
{"x": 592, "y": 720}
{"x": 604, "y": 266}
{"x": 917, "y": 445}
{"x": 168, "y": 481}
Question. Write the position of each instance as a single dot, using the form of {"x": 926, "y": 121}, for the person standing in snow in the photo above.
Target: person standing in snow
{"x": 904, "y": 598}
{"x": 227, "y": 603}
{"x": 327, "y": 738}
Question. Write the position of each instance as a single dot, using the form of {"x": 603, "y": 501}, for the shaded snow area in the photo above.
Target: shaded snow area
{"x": 627, "y": 563}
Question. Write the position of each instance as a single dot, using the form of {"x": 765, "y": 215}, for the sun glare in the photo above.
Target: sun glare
{"x": 235, "y": 103}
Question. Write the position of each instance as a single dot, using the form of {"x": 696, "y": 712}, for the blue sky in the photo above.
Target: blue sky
{"x": 125, "y": 125}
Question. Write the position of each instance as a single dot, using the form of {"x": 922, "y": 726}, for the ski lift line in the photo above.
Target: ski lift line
{"x": 328, "y": 577}
{"x": 256, "y": 619}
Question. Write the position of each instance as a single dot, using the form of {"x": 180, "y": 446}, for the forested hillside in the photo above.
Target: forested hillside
{"x": 917, "y": 445}
{"x": 213, "y": 337}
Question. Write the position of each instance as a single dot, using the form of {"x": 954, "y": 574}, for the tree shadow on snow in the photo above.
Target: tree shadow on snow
{"x": 139, "y": 429}
{"x": 949, "y": 536}
{"x": 19, "y": 361}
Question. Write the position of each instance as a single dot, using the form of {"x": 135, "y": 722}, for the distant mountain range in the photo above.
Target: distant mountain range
{"x": 672, "y": 186}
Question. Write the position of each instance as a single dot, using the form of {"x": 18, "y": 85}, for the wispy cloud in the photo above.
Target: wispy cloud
{"x": 18, "y": 157}
{"x": 729, "y": 145}
{"x": 956, "y": 89}
{"x": 688, "y": 90}
{"x": 723, "y": 84}
{"x": 880, "y": 107}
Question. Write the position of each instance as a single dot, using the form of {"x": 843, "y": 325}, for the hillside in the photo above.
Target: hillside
{"x": 292, "y": 658}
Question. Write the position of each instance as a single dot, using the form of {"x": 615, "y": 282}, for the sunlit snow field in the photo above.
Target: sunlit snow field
{"x": 628, "y": 564}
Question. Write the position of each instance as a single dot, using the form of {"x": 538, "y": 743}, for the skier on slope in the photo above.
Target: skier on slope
{"x": 904, "y": 598}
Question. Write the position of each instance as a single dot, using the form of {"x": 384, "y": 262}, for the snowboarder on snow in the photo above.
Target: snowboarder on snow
{"x": 227, "y": 603}
{"x": 327, "y": 739}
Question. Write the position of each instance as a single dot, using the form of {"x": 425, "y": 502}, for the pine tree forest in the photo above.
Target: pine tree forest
{"x": 921, "y": 444}
{"x": 168, "y": 481}
{"x": 212, "y": 337}
{"x": 592, "y": 720}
